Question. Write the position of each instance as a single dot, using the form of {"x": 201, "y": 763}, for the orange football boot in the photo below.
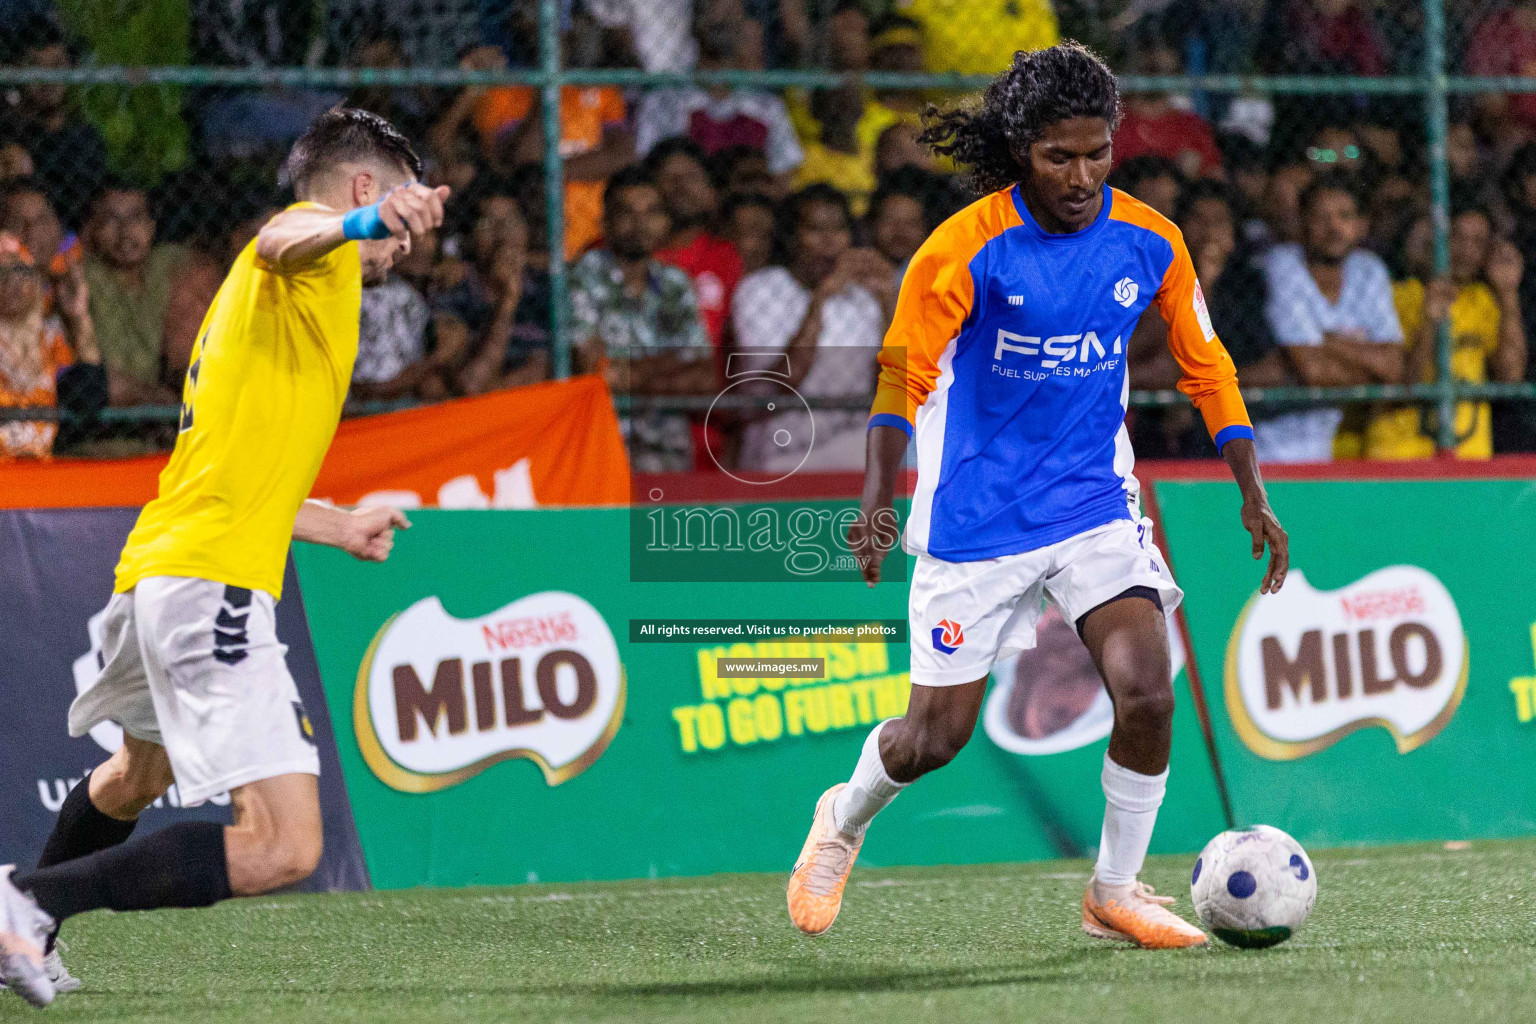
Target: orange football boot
{"x": 816, "y": 884}
{"x": 1134, "y": 913}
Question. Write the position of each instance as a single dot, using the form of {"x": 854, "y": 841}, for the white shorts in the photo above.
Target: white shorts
{"x": 963, "y": 615}
{"x": 196, "y": 667}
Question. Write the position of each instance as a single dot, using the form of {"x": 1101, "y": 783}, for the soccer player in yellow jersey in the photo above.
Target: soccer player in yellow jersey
{"x": 194, "y": 672}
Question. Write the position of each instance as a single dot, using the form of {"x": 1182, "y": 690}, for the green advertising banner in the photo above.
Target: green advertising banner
{"x": 506, "y": 711}
{"x": 1387, "y": 693}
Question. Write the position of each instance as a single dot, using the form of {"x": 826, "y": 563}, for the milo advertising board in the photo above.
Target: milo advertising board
{"x": 507, "y": 709}
{"x": 1385, "y": 693}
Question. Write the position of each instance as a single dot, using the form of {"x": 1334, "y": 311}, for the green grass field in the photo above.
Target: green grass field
{"x": 1405, "y": 934}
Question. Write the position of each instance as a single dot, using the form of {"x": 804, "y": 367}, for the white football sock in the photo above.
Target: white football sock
{"x": 1131, "y": 800}
{"x": 868, "y": 791}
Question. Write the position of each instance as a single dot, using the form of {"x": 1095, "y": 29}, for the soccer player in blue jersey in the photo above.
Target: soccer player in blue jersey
{"x": 1006, "y": 365}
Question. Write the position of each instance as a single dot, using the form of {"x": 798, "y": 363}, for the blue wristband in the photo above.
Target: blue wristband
{"x": 1231, "y": 433}
{"x": 364, "y": 222}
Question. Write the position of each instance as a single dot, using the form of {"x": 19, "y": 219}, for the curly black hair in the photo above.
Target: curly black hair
{"x": 1042, "y": 88}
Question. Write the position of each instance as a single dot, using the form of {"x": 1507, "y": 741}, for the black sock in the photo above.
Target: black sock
{"x": 181, "y": 866}
{"x": 82, "y": 829}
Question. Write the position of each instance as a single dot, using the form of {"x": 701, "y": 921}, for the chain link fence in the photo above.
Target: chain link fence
{"x": 1356, "y": 180}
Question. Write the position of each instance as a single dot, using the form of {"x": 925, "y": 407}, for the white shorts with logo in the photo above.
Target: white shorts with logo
{"x": 196, "y": 667}
{"x": 992, "y": 605}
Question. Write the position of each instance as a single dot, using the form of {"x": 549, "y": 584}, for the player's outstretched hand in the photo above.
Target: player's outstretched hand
{"x": 413, "y": 209}
{"x": 369, "y": 532}
{"x": 1260, "y": 522}
{"x": 870, "y": 539}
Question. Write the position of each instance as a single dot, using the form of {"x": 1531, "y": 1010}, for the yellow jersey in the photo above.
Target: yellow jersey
{"x": 979, "y": 37}
{"x": 260, "y": 405}
{"x": 1406, "y": 432}
{"x": 852, "y": 174}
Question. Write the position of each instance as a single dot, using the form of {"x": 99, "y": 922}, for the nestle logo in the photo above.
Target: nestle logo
{"x": 1382, "y": 604}
{"x": 514, "y": 634}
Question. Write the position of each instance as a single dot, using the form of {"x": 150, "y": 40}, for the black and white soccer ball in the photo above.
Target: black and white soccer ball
{"x": 1253, "y": 887}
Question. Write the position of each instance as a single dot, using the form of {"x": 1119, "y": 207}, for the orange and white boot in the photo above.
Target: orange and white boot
{"x": 816, "y": 884}
{"x": 1134, "y": 913}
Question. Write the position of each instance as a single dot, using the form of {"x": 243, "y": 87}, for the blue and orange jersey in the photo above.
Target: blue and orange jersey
{"x": 1007, "y": 363}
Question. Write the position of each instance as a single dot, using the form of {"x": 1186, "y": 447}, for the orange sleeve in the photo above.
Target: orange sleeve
{"x": 1210, "y": 378}
{"x": 936, "y": 297}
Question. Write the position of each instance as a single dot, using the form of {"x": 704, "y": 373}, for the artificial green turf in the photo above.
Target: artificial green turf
{"x": 1405, "y": 934}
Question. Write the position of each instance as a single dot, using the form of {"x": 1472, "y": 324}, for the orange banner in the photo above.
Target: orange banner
{"x": 546, "y": 444}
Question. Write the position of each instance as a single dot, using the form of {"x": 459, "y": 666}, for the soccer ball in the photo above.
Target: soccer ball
{"x": 1253, "y": 887}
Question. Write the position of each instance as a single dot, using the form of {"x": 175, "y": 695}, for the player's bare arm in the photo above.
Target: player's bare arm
{"x": 1258, "y": 518}
{"x": 296, "y": 238}
{"x": 875, "y": 532}
{"x": 367, "y": 534}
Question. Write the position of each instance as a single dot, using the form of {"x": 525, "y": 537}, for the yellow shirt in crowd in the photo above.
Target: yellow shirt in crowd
{"x": 1407, "y": 432}
{"x": 852, "y": 174}
{"x": 260, "y": 406}
{"x": 877, "y": 117}
{"x": 979, "y": 37}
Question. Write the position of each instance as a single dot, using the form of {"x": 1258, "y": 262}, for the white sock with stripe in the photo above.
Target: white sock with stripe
{"x": 1131, "y": 800}
{"x": 868, "y": 791}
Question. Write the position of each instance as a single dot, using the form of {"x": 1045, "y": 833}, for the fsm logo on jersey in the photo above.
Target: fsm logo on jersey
{"x": 1307, "y": 667}
{"x": 440, "y": 699}
{"x": 1057, "y": 350}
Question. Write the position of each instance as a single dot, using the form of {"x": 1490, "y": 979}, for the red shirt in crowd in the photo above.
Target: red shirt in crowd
{"x": 1505, "y": 45}
{"x": 715, "y": 268}
{"x": 1173, "y": 133}
{"x": 1346, "y": 38}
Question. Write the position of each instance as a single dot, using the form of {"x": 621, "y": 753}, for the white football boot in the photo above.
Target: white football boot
{"x": 24, "y": 929}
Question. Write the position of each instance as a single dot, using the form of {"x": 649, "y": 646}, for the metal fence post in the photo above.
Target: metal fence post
{"x": 554, "y": 182}
{"x": 1440, "y": 201}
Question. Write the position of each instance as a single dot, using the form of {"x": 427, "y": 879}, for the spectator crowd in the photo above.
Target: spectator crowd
{"x": 702, "y": 222}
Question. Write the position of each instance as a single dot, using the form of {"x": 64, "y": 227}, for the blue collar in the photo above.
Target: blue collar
{"x": 1035, "y": 230}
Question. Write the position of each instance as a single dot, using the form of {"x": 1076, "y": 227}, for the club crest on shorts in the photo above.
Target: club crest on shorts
{"x": 306, "y": 728}
{"x": 947, "y": 636}
{"x": 440, "y": 699}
